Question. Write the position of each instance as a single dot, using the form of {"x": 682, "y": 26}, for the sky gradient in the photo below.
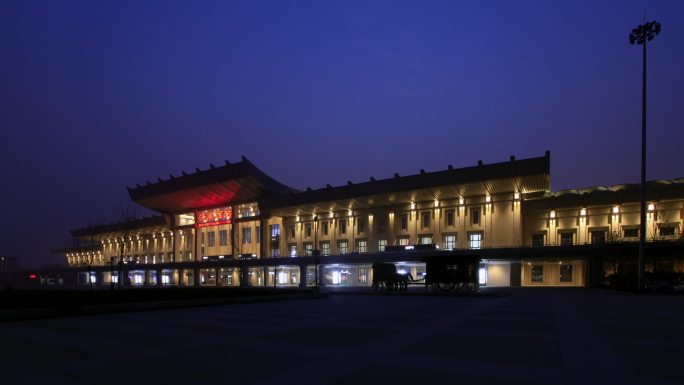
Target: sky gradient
{"x": 99, "y": 95}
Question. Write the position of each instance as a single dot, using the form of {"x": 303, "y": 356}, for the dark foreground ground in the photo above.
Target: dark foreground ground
{"x": 533, "y": 336}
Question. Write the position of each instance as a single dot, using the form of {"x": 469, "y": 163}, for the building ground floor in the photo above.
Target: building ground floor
{"x": 491, "y": 274}
{"x": 569, "y": 266}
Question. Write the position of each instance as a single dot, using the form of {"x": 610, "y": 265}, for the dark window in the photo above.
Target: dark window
{"x": 246, "y": 235}
{"x": 537, "y": 240}
{"x": 211, "y": 236}
{"x": 382, "y": 224}
{"x": 450, "y": 216}
{"x": 566, "y": 273}
{"x": 598, "y": 237}
{"x": 223, "y": 237}
{"x": 566, "y": 239}
{"x": 343, "y": 226}
{"x": 307, "y": 228}
{"x": 475, "y": 216}
{"x": 404, "y": 222}
{"x": 258, "y": 234}
{"x": 292, "y": 231}
{"x": 325, "y": 227}
{"x": 631, "y": 233}
{"x": 666, "y": 231}
{"x": 425, "y": 219}
{"x": 360, "y": 225}
{"x": 538, "y": 273}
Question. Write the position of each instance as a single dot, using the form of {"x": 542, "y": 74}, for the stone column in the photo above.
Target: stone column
{"x": 302, "y": 275}
{"x": 516, "y": 273}
{"x": 175, "y": 240}
{"x": 196, "y": 276}
{"x": 244, "y": 275}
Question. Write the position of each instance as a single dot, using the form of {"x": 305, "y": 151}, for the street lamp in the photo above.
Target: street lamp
{"x": 640, "y": 35}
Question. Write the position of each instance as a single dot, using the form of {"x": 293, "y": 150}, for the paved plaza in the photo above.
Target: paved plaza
{"x": 525, "y": 336}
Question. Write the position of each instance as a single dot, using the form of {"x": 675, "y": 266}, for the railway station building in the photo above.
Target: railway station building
{"x": 233, "y": 225}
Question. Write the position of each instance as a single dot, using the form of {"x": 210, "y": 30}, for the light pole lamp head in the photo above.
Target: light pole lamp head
{"x": 644, "y": 32}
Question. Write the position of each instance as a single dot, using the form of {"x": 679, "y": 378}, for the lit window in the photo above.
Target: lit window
{"x": 475, "y": 240}
{"x": 275, "y": 240}
{"x": 382, "y": 243}
{"x": 308, "y": 248}
{"x": 425, "y": 240}
{"x": 293, "y": 250}
{"x": 361, "y": 246}
{"x": 449, "y": 242}
{"x": 404, "y": 241}
{"x": 343, "y": 247}
{"x": 325, "y": 248}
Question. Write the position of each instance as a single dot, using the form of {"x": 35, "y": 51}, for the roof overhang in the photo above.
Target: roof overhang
{"x": 218, "y": 186}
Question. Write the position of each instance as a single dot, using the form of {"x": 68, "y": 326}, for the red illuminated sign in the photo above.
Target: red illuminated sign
{"x": 213, "y": 217}
{"x": 32, "y": 276}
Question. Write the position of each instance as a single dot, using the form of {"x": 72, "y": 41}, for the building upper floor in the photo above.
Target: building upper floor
{"x": 238, "y": 211}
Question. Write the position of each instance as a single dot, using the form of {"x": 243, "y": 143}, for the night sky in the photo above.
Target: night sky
{"x": 99, "y": 95}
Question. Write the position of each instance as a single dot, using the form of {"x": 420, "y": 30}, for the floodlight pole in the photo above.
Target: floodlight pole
{"x": 640, "y": 35}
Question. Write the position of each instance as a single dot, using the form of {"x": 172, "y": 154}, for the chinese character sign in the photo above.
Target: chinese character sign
{"x": 213, "y": 217}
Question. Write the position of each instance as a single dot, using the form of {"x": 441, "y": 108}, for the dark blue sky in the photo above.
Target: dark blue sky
{"x": 98, "y": 95}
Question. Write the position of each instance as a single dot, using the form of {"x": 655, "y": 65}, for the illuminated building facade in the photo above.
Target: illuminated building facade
{"x": 234, "y": 225}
